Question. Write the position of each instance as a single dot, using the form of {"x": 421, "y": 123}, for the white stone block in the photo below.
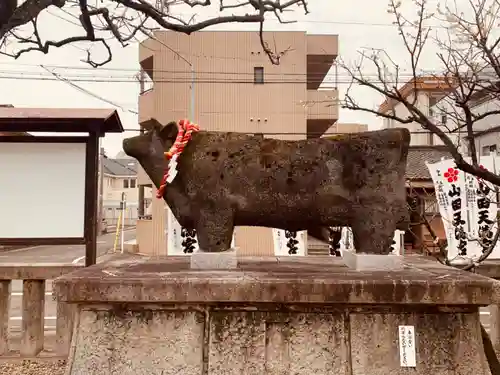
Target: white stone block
{"x": 372, "y": 262}
{"x": 210, "y": 261}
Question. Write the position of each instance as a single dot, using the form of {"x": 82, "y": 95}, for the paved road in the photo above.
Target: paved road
{"x": 50, "y": 254}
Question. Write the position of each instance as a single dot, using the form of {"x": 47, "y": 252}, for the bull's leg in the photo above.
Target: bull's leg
{"x": 373, "y": 231}
{"x": 215, "y": 230}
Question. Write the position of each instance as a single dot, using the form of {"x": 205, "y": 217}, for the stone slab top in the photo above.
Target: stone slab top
{"x": 318, "y": 279}
{"x": 37, "y": 271}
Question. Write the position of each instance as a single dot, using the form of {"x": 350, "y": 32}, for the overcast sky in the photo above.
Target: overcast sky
{"x": 359, "y": 23}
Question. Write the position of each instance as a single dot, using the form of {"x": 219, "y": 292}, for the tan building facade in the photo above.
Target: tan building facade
{"x": 227, "y": 82}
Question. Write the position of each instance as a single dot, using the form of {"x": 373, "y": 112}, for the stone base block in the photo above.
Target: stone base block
{"x": 274, "y": 316}
{"x": 211, "y": 261}
{"x": 372, "y": 262}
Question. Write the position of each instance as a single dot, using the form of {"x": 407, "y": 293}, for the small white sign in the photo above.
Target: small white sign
{"x": 407, "y": 352}
{"x": 172, "y": 169}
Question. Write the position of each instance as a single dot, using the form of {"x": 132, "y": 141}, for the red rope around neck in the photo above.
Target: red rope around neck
{"x": 185, "y": 131}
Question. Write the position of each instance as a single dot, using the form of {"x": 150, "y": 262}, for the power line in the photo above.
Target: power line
{"x": 198, "y": 72}
{"x": 64, "y": 19}
{"x": 105, "y": 68}
{"x": 207, "y": 81}
{"x": 85, "y": 91}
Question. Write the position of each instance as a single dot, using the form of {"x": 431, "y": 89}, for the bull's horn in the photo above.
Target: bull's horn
{"x": 151, "y": 124}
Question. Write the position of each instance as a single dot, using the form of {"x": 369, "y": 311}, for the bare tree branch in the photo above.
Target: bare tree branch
{"x": 468, "y": 51}
{"x": 470, "y": 69}
{"x": 129, "y": 17}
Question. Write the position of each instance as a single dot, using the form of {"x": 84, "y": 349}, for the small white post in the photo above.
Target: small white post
{"x": 124, "y": 208}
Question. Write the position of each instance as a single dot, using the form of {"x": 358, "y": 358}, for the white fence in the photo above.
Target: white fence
{"x": 112, "y": 211}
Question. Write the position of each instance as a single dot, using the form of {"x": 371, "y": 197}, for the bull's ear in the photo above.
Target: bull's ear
{"x": 169, "y": 131}
{"x": 152, "y": 124}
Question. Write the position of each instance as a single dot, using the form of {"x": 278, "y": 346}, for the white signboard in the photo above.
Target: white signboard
{"x": 181, "y": 241}
{"x": 288, "y": 243}
{"x": 437, "y": 171}
{"x": 484, "y": 219}
{"x": 407, "y": 351}
{"x": 42, "y": 190}
{"x": 467, "y": 208}
{"x": 398, "y": 242}
{"x": 347, "y": 241}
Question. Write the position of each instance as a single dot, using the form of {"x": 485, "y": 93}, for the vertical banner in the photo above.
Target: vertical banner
{"x": 437, "y": 172}
{"x": 347, "y": 241}
{"x": 289, "y": 243}
{"x": 398, "y": 242}
{"x": 474, "y": 248}
{"x": 181, "y": 241}
{"x": 333, "y": 243}
{"x": 467, "y": 207}
{"x": 454, "y": 181}
{"x": 486, "y": 206}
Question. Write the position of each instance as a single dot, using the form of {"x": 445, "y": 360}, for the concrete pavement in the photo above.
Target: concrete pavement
{"x": 53, "y": 254}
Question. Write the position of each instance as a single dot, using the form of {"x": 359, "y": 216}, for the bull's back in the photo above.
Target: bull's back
{"x": 374, "y": 158}
{"x": 249, "y": 165}
{"x": 266, "y": 180}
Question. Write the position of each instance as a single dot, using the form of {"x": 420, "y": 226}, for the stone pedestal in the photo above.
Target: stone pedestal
{"x": 273, "y": 316}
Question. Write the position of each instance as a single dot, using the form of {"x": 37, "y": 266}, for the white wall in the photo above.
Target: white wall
{"x": 486, "y": 140}
{"x": 112, "y": 195}
{"x": 417, "y": 139}
{"x": 113, "y": 189}
{"x": 490, "y": 121}
{"x": 487, "y": 123}
{"x": 419, "y": 136}
{"x": 481, "y": 125}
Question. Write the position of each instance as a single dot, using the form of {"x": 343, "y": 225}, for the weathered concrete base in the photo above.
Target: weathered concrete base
{"x": 273, "y": 316}
{"x": 211, "y": 261}
{"x": 372, "y": 262}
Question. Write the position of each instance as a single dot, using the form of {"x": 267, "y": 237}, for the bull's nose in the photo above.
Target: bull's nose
{"x": 126, "y": 146}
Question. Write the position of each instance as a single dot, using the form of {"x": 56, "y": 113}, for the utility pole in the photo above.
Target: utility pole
{"x": 124, "y": 211}
{"x": 141, "y": 208}
{"x": 192, "y": 91}
{"x": 101, "y": 191}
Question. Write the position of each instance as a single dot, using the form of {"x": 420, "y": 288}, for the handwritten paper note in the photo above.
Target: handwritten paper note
{"x": 407, "y": 352}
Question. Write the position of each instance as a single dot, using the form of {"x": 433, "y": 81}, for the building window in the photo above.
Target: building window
{"x": 430, "y": 205}
{"x": 432, "y": 103}
{"x": 125, "y": 184}
{"x": 132, "y": 183}
{"x": 488, "y": 150}
{"x": 443, "y": 119}
{"x": 258, "y": 75}
{"x": 430, "y": 139}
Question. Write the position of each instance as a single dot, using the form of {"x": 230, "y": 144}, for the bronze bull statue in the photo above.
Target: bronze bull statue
{"x": 230, "y": 179}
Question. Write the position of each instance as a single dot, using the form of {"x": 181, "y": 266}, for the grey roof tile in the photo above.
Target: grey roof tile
{"x": 120, "y": 167}
{"x": 419, "y": 155}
